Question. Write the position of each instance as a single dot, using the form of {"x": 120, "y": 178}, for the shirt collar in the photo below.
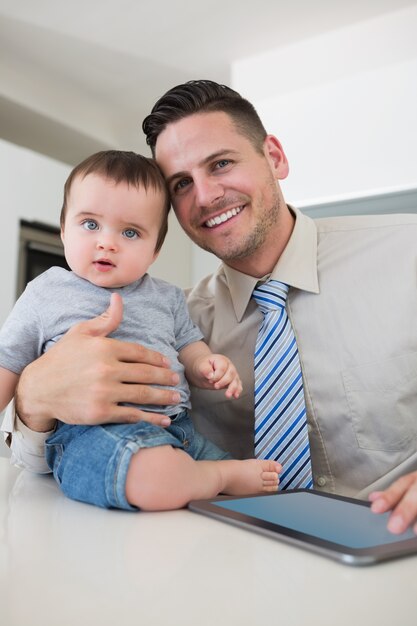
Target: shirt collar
{"x": 297, "y": 265}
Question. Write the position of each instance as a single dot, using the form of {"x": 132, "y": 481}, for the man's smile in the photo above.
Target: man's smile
{"x": 223, "y": 217}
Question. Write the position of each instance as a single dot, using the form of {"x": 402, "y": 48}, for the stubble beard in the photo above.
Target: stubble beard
{"x": 249, "y": 245}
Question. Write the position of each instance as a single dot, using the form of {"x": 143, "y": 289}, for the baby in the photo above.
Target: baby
{"x": 113, "y": 224}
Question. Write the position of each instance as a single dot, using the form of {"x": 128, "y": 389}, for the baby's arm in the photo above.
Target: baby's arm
{"x": 8, "y": 382}
{"x": 210, "y": 371}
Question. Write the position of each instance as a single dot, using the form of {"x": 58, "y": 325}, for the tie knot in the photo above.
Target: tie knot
{"x": 271, "y": 295}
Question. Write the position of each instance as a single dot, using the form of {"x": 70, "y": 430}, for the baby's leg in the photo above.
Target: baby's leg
{"x": 164, "y": 478}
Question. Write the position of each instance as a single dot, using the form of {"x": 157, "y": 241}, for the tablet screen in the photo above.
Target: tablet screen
{"x": 327, "y": 518}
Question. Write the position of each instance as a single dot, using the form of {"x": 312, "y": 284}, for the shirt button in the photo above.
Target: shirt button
{"x": 321, "y": 481}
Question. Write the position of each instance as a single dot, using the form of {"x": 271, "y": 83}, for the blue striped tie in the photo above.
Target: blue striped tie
{"x": 280, "y": 413}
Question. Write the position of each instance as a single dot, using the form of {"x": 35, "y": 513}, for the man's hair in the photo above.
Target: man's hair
{"x": 203, "y": 96}
{"x": 122, "y": 167}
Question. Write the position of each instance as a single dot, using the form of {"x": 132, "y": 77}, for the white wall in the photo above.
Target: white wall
{"x": 30, "y": 188}
{"x": 343, "y": 105}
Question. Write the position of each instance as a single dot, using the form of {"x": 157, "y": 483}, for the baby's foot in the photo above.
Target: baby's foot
{"x": 242, "y": 478}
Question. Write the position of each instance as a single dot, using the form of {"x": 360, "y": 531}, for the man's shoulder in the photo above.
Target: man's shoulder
{"x": 206, "y": 287}
{"x": 364, "y": 222}
{"x": 201, "y": 300}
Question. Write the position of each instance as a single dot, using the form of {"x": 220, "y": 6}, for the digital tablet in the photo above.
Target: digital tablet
{"x": 340, "y": 528}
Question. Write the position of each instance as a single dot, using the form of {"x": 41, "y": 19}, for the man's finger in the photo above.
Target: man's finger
{"x": 145, "y": 394}
{"x": 105, "y": 323}
{"x": 127, "y": 352}
{"x": 401, "y": 499}
{"x": 129, "y": 415}
{"x": 405, "y": 513}
{"x": 144, "y": 374}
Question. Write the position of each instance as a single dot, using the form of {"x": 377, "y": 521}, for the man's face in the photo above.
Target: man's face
{"x": 224, "y": 192}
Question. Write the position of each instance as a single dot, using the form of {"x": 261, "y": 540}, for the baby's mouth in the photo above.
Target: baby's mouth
{"x": 104, "y": 263}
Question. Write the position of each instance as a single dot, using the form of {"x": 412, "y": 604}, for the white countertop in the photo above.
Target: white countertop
{"x": 67, "y": 563}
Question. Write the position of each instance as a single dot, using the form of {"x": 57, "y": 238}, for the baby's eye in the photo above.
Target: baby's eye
{"x": 90, "y": 225}
{"x": 129, "y": 233}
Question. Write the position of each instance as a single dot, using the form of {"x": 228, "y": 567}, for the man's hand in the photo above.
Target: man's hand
{"x": 401, "y": 499}
{"x": 86, "y": 375}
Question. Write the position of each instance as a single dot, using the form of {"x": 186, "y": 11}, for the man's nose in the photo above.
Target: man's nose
{"x": 208, "y": 191}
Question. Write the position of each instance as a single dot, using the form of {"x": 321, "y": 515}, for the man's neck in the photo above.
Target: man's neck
{"x": 263, "y": 261}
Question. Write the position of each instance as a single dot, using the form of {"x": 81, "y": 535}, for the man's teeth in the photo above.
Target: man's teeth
{"x": 219, "y": 219}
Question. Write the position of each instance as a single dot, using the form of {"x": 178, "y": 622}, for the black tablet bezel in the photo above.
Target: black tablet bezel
{"x": 339, "y": 552}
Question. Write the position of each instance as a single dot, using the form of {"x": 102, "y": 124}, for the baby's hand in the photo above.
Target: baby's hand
{"x": 220, "y": 372}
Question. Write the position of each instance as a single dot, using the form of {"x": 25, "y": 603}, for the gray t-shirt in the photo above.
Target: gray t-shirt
{"x": 155, "y": 315}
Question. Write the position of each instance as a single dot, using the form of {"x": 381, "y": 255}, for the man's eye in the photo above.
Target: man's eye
{"x": 129, "y": 233}
{"x": 182, "y": 184}
{"x": 90, "y": 225}
{"x": 222, "y": 163}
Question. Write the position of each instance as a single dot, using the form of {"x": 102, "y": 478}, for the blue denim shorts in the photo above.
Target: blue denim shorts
{"x": 90, "y": 463}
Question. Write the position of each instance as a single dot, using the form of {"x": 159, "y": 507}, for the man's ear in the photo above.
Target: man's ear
{"x": 276, "y": 158}
{"x": 62, "y": 236}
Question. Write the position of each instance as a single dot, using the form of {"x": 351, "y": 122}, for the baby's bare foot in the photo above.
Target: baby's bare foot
{"x": 242, "y": 478}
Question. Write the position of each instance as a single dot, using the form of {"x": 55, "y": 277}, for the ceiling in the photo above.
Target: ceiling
{"x": 79, "y": 76}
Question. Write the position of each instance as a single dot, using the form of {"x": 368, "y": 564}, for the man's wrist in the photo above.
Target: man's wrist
{"x": 38, "y": 423}
{"x": 34, "y": 436}
{"x": 28, "y": 408}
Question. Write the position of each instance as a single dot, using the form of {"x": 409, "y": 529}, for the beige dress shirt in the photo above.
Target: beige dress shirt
{"x": 353, "y": 306}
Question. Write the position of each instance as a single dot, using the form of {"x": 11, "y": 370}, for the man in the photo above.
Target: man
{"x": 351, "y": 303}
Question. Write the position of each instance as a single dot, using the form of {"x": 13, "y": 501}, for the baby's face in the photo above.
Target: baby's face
{"x": 111, "y": 230}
